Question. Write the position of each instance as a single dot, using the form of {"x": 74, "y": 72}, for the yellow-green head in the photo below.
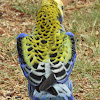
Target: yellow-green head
{"x": 58, "y": 4}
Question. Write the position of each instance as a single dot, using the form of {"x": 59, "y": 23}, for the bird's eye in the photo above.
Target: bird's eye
{"x": 62, "y": 7}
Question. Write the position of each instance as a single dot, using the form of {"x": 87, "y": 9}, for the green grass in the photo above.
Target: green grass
{"x": 29, "y": 7}
{"x": 86, "y": 20}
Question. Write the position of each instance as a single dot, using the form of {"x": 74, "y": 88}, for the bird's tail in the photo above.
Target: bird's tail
{"x": 66, "y": 94}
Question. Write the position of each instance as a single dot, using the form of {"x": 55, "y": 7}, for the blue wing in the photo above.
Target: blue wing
{"x": 33, "y": 75}
{"x": 63, "y": 70}
{"x": 20, "y": 53}
{"x": 73, "y": 58}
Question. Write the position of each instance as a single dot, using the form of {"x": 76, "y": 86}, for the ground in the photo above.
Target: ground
{"x": 82, "y": 17}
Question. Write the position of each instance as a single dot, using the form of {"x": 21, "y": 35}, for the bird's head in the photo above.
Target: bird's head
{"x": 58, "y": 4}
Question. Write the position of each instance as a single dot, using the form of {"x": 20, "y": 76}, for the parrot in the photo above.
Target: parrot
{"x": 48, "y": 55}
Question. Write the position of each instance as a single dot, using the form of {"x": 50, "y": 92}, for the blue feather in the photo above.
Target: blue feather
{"x": 36, "y": 95}
{"x": 22, "y": 35}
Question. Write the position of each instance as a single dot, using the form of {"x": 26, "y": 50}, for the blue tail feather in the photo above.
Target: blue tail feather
{"x": 34, "y": 95}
